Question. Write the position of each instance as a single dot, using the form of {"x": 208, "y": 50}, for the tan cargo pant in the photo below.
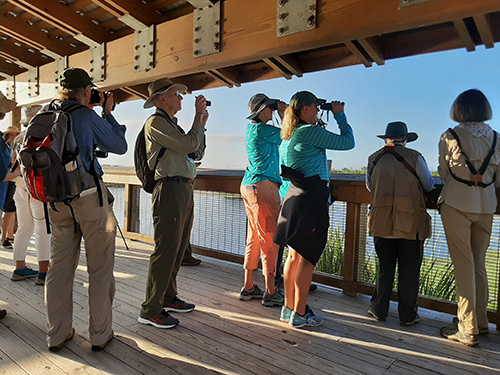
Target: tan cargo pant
{"x": 468, "y": 237}
{"x": 97, "y": 226}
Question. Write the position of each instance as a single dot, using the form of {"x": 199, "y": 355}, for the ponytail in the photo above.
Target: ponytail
{"x": 290, "y": 119}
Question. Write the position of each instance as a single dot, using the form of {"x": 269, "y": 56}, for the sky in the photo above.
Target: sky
{"x": 418, "y": 90}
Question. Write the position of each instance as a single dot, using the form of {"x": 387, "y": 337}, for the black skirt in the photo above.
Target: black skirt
{"x": 304, "y": 220}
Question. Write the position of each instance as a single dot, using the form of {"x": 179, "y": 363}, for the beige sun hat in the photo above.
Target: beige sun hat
{"x": 28, "y": 112}
{"x": 6, "y": 105}
{"x": 159, "y": 87}
{"x": 11, "y": 130}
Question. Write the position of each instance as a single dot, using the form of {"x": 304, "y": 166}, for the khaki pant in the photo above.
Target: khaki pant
{"x": 97, "y": 226}
{"x": 262, "y": 205}
{"x": 468, "y": 237}
{"x": 172, "y": 219}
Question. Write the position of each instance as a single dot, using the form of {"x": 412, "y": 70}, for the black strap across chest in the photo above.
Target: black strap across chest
{"x": 471, "y": 167}
{"x": 390, "y": 150}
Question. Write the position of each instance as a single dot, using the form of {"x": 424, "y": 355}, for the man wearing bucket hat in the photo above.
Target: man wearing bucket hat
{"x": 398, "y": 177}
{"x": 171, "y": 154}
{"x": 89, "y": 215}
{"x": 260, "y": 192}
{"x": 6, "y": 105}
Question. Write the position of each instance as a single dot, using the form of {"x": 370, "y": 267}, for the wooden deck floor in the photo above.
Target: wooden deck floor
{"x": 225, "y": 335}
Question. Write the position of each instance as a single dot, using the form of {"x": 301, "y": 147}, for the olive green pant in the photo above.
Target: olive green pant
{"x": 172, "y": 220}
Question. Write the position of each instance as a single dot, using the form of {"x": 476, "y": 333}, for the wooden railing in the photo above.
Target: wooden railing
{"x": 348, "y": 188}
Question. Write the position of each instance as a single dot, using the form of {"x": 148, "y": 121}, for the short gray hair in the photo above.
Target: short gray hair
{"x": 471, "y": 106}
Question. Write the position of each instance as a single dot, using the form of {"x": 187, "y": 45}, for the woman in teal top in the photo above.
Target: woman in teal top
{"x": 303, "y": 222}
{"x": 259, "y": 190}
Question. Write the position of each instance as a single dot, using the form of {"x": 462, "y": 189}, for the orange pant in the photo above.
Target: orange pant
{"x": 262, "y": 205}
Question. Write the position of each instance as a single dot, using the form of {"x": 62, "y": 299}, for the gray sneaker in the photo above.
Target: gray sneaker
{"x": 276, "y": 299}
{"x": 308, "y": 320}
{"x": 247, "y": 295}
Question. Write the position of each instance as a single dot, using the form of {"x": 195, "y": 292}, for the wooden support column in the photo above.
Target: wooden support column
{"x": 484, "y": 30}
{"x": 129, "y": 206}
{"x": 350, "y": 247}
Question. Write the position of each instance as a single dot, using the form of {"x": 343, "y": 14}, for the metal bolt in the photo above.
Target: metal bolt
{"x": 91, "y": 61}
{"x": 282, "y": 16}
{"x": 136, "y": 57}
{"x": 197, "y": 40}
{"x": 150, "y": 63}
{"x": 216, "y": 22}
{"x": 197, "y": 28}
{"x": 216, "y": 35}
{"x": 311, "y": 7}
{"x": 196, "y": 53}
{"x": 136, "y": 67}
{"x": 136, "y": 47}
{"x": 91, "y": 69}
{"x": 151, "y": 53}
{"x": 216, "y": 45}
{"x": 310, "y": 20}
{"x": 281, "y": 30}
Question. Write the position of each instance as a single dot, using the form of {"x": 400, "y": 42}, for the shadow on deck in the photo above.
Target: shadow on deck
{"x": 225, "y": 335}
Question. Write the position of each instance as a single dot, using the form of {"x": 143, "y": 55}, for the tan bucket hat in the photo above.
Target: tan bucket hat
{"x": 159, "y": 87}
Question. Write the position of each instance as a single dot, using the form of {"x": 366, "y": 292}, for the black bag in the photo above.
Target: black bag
{"x": 146, "y": 175}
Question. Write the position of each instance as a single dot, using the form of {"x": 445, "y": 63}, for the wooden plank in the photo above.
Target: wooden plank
{"x": 484, "y": 29}
{"x": 463, "y": 33}
{"x": 59, "y": 17}
{"x": 290, "y": 64}
{"x": 358, "y": 53}
{"x": 284, "y": 73}
{"x": 214, "y": 75}
{"x": 372, "y": 50}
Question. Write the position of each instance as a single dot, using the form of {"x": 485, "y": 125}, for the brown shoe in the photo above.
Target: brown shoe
{"x": 56, "y": 348}
{"x": 191, "y": 262}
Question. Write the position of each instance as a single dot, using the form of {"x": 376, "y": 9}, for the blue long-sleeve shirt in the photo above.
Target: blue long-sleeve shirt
{"x": 305, "y": 151}
{"x": 90, "y": 130}
{"x": 262, "y": 142}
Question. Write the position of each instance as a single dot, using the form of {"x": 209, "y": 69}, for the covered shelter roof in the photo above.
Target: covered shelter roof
{"x": 125, "y": 44}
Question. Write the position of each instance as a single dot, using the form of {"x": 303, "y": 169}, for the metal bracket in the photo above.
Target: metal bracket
{"x": 33, "y": 83}
{"x": 61, "y": 63}
{"x": 98, "y": 63}
{"x": 294, "y": 16}
{"x": 10, "y": 89}
{"x": 144, "y": 49}
{"x": 206, "y": 30}
{"x": 407, "y": 3}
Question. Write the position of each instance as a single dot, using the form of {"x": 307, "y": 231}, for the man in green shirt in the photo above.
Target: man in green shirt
{"x": 172, "y": 197}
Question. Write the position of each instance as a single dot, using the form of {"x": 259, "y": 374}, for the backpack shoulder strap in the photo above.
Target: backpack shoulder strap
{"x": 163, "y": 149}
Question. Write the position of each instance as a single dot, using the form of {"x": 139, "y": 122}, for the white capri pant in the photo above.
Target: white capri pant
{"x": 30, "y": 217}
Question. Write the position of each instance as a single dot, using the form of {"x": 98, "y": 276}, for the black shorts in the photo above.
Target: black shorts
{"x": 9, "y": 205}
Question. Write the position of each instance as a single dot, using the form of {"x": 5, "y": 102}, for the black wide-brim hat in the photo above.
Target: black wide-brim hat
{"x": 398, "y": 129}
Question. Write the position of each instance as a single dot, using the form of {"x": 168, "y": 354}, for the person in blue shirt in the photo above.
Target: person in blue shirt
{"x": 260, "y": 192}
{"x": 89, "y": 215}
{"x": 304, "y": 220}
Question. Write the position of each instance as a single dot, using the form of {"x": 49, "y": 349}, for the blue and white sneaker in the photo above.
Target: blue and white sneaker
{"x": 23, "y": 273}
{"x": 307, "y": 320}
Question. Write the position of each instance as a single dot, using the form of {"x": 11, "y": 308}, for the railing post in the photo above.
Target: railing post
{"x": 350, "y": 247}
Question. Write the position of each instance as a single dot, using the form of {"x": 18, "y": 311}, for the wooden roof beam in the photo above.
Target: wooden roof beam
{"x": 338, "y": 21}
{"x": 73, "y": 24}
{"x": 290, "y": 64}
{"x": 484, "y": 30}
{"x": 372, "y": 50}
{"x": 129, "y": 10}
{"x": 32, "y": 37}
{"x": 357, "y": 51}
{"x": 134, "y": 92}
{"x": 464, "y": 35}
{"x": 278, "y": 67}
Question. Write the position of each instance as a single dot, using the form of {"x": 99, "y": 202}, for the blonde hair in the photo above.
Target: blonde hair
{"x": 290, "y": 119}
{"x": 77, "y": 94}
